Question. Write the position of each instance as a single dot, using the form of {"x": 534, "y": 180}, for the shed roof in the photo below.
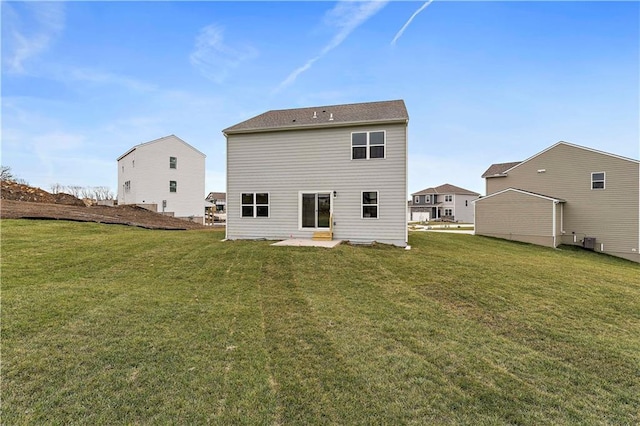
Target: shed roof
{"x": 220, "y": 196}
{"x": 447, "y": 188}
{"x": 323, "y": 116}
{"x": 521, "y": 191}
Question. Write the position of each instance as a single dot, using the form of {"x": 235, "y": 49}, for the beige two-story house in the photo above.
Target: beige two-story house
{"x": 330, "y": 172}
{"x": 566, "y": 194}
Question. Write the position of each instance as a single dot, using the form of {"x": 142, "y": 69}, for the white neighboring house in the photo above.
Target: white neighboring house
{"x": 165, "y": 175}
{"x": 323, "y": 172}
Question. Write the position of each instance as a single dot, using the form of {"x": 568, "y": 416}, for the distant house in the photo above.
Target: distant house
{"x": 446, "y": 201}
{"x": 164, "y": 175}
{"x": 566, "y": 194}
{"x": 321, "y": 172}
{"x": 219, "y": 199}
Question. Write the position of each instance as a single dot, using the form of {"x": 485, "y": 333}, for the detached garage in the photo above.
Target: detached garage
{"x": 514, "y": 214}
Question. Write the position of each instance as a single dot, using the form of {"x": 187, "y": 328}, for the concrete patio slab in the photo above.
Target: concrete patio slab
{"x": 299, "y": 242}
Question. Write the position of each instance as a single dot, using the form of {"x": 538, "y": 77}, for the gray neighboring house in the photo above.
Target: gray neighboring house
{"x": 446, "y": 201}
{"x": 323, "y": 172}
{"x": 566, "y": 194}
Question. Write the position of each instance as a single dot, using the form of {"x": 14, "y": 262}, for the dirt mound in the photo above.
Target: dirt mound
{"x": 18, "y": 192}
{"x": 25, "y": 202}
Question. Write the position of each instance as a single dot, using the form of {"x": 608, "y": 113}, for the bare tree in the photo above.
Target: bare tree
{"x": 5, "y": 173}
{"x": 86, "y": 192}
{"x": 102, "y": 193}
{"x": 56, "y": 188}
{"x": 74, "y": 190}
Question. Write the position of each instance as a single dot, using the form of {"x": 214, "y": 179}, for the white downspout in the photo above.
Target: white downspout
{"x": 553, "y": 228}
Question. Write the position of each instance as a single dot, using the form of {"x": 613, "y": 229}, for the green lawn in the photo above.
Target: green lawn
{"x": 119, "y": 325}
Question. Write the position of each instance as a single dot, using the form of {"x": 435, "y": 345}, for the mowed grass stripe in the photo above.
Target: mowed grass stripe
{"x": 161, "y": 326}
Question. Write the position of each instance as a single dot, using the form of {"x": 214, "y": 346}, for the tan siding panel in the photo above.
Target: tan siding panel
{"x": 516, "y": 216}
{"x": 611, "y": 215}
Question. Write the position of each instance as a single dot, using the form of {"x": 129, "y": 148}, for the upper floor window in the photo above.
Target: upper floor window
{"x": 370, "y": 204}
{"x": 173, "y": 162}
{"x": 255, "y": 204}
{"x": 427, "y": 199}
{"x": 416, "y": 199}
{"x": 127, "y": 186}
{"x": 597, "y": 180}
{"x": 448, "y": 198}
{"x": 366, "y": 145}
{"x": 173, "y": 186}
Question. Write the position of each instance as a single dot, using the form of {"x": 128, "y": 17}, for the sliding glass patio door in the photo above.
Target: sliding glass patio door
{"x": 316, "y": 210}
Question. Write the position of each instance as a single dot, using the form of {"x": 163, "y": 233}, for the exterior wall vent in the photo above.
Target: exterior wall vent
{"x": 589, "y": 243}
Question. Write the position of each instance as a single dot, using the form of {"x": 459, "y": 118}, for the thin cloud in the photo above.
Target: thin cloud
{"x": 214, "y": 58}
{"x": 29, "y": 28}
{"x": 404, "y": 27}
{"x": 346, "y": 16}
{"x": 101, "y": 77}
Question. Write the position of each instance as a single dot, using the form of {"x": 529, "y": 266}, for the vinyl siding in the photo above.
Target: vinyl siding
{"x": 463, "y": 213}
{"x": 151, "y": 174}
{"x": 516, "y": 216}
{"x": 289, "y": 162}
{"x": 610, "y": 215}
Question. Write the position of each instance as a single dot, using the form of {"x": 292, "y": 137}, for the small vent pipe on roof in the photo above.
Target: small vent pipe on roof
{"x": 331, "y": 117}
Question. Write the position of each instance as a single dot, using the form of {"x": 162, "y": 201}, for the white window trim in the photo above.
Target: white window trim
{"x": 368, "y": 145}
{"x": 444, "y": 211}
{"x": 176, "y": 167}
{"x": 604, "y": 181}
{"x": 362, "y": 206}
{"x": 416, "y": 199}
{"x": 450, "y": 200}
{"x": 170, "y": 191}
{"x": 255, "y": 205}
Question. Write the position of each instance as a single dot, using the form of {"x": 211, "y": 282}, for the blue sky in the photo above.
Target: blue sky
{"x": 484, "y": 82}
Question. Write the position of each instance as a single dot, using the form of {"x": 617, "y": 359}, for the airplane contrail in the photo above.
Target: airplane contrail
{"x": 404, "y": 27}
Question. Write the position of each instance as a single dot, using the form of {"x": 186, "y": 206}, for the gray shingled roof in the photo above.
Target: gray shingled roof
{"x": 445, "y": 189}
{"x": 498, "y": 169}
{"x": 220, "y": 196}
{"x": 325, "y": 116}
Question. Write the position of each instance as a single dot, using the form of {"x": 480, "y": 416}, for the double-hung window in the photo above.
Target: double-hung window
{"x": 416, "y": 199}
{"x": 370, "y": 204}
{"x": 173, "y": 186}
{"x": 448, "y": 198}
{"x": 255, "y": 204}
{"x": 173, "y": 162}
{"x": 448, "y": 212}
{"x": 367, "y": 145}
{"x": 597, "y": 180}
